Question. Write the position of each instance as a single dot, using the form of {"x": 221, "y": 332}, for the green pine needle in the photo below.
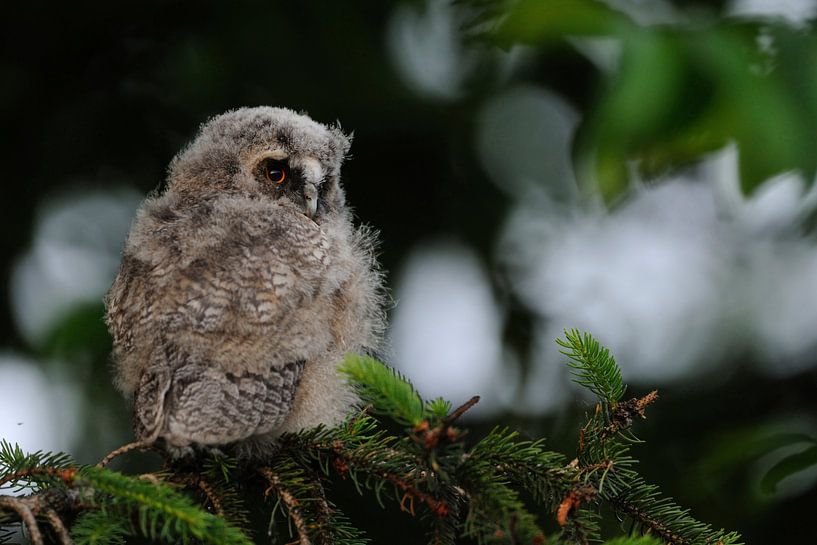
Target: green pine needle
{"x": 161, "y": 512}
{"x": 14, "y": 460}
{"x": 592, "y": 365}
{"x": 438, "y": 408}
{"x": 101, "y": 528}
{"x": 388, "y": 391}
{"x": 525, "y": 463}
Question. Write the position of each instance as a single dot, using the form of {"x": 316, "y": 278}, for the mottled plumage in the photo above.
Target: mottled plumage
{"x": 237, "y": 295}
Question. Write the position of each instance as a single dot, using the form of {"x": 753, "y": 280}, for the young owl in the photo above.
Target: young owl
{"x": 243, "y": 285}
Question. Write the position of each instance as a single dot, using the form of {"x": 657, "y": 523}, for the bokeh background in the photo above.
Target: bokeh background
{"x": 639, "y": 169}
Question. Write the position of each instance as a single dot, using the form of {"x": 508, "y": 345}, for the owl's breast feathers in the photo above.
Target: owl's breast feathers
{"x": 235, "y": 294}
{"x": 232, "y": 269}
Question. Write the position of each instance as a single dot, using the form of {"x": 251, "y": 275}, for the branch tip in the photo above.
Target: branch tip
{"x": 459, "y": 411}
{"x": 136, "y": 445}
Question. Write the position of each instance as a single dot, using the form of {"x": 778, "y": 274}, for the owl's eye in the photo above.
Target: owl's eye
{"x": 275, "y": 171}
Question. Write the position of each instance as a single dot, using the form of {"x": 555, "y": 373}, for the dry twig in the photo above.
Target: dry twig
{"x": 23, "y": 509}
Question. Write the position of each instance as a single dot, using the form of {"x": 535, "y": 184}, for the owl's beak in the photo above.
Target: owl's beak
{"x": 310, "y": 199}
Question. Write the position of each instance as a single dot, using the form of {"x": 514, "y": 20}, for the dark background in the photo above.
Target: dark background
{"x": 100, "y": 95}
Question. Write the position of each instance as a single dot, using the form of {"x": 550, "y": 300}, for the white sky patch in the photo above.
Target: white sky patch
{"x": 644, "y": 280}
{"x": 604, "y": 52}
{"x": 675, "y": 279}
{"x": 775, "y": 206}
{"x": 447, "y": 326}
{"x": 38, "y": 409}
{"x": 782, "y": 301}
{"x": 73, "y": 259}
{"x": 547, "y": 387}
{"x": 794, "y": 12}
{"x": 425, "y": 46}
{"x": 523, "y": 139}
{"x": 648, "y": 12}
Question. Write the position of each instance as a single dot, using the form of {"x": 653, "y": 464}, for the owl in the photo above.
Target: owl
{"x": 242, "y": 286}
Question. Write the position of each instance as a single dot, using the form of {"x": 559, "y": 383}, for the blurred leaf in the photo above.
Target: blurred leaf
{"x": 736, "y": 448}
{"x": 641, "y": 103}
{"x": 388, "y": 391}
{"x": 788, "y": 466}
{"x": 535, "y": 21}
{"x": 82, "y": 331}
{"x": 795, "y": 79}
{"x": 647, "y": 86}
{"x": 735, "y": 452}
{"x": 685, "y": 92}
{"x": 755, "y": 109}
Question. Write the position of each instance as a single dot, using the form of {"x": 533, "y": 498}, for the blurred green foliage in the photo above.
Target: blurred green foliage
{"x": 684, "y": 90}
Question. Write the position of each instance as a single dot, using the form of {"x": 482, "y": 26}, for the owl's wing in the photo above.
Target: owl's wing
{"x": 200, "y": 404}
{"x": 149, "y": 402}
{"x": 130, "y": 309}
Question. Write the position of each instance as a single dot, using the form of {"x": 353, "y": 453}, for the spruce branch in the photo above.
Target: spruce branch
{"x": 633, "y": 540}
{"x": 582, "y": 525}
{"x": 495, "y": 510}
{"x": 478, "y": 491}
{"x": 213, "y": 484}
{"x": 58, "y": 526}
{"x": 525, "y": 463}
{"x": 20, "y": 471}
{"x": 136, "y": 445}
{"x": 592, "y": 365}
{"x": 160, "y": 512}
{"x": 101, "y": 528}
{"x": 291, "y": 504}
{"x": 315, "y": 519}
{"x": 388, "y": 392}
{"x": 213, "y": 498}
{"x": 604, "y": 459}
{"x": 23, "y": 508}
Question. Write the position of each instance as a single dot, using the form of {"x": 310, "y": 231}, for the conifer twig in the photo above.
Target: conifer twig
{"x": 136, "y": 445}
{"x": 24, "y": 511}
{"x": 430, "y": 437}
{"x": 64, "y": 474}
{"x": 439, "y": 508}
{"x": 208, "y": 491}
{"x": 289, "y": 501}
{"x": 323, "y": 511}
{"x": 655, "y": 526}
{"x": 459, "y": 411}
{"x": 59, "y": 528}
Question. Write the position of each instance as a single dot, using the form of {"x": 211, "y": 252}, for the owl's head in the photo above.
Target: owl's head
{"x": 264, "y": 152}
